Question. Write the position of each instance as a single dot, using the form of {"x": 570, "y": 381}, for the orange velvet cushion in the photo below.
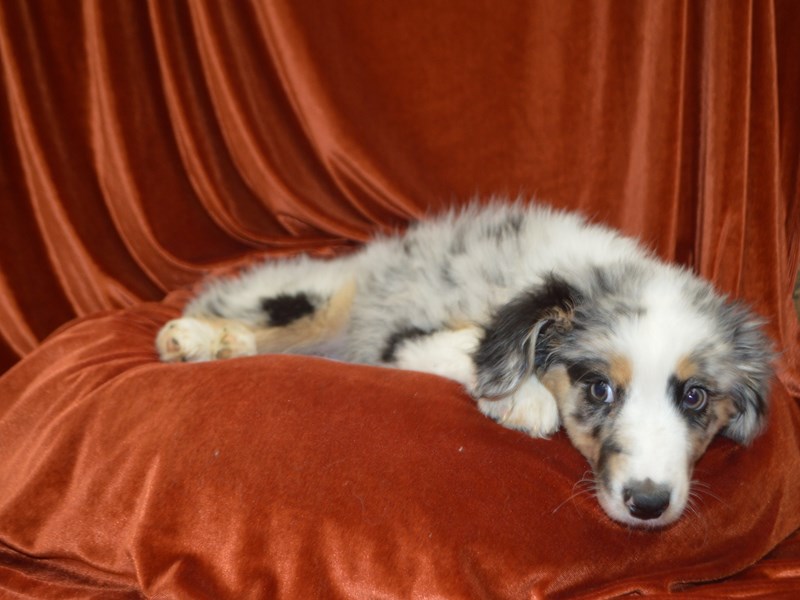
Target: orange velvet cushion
{"x": 294, "y": 477}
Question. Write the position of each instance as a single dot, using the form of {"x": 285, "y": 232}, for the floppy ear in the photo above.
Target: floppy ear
{"x": 506, "y": 354}
{"x": 752, "y": 363}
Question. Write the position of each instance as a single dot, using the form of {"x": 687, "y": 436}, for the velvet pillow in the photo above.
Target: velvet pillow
{"x": 295, "y": 477}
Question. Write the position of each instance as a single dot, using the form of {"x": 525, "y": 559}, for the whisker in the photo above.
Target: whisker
{"x": 585, "y": 486}
{"x": 695, "y": 516}
{"x": 700, "y": 489}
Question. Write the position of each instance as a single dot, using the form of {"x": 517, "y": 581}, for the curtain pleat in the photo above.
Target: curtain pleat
{"x": 145, "y": 144}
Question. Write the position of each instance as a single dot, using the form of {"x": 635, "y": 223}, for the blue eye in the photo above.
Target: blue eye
{"x": 602, "y": 391}
{"x": 694, "y": 398}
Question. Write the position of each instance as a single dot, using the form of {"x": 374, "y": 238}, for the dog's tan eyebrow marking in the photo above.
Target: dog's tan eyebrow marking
{"x": 686, "y": 369}
{"x": 620, "y": 371}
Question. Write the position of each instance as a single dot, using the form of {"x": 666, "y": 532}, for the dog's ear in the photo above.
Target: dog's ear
{"x": 507, "y": 351}
{"x": 752, "y": 364}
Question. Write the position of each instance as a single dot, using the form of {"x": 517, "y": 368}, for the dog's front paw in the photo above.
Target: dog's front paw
{"x": 194, "y": 340}
{"x": 531, "y": 408}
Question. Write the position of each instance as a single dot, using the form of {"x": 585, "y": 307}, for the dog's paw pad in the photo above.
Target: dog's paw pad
{"x": 235, "y": 340}
{"x": 186, "y": 339}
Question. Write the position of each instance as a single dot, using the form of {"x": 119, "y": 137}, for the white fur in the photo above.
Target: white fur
{"x": 530, "y": 408}
{"x": 444, "y": 353}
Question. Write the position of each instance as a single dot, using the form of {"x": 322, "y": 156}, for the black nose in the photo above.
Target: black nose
{"x": 645, "y": 499}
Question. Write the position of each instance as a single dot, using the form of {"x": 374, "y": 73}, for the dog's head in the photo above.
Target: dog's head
{"x": 647, "y": 364}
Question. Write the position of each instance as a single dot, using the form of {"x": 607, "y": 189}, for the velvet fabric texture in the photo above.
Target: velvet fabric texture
{"x": 145, "y": 145}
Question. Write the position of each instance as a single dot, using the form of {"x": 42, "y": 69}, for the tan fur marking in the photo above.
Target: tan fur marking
{"x": 586, "y": 444}
{"x": 557, "y": 382}
{"x": 620, "y": 371}
{"x": 699, "y": 443}
{"x": 459, "y": 324}
{"x": 324, "y": 324}
{"x": 686, "y": 369}
{"x": 722, "y": 411}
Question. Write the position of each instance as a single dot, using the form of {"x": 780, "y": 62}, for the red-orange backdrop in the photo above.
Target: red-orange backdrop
{"x": 141, "y": 143}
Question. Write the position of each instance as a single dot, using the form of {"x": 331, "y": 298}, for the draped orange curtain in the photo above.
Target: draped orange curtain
{"x": 146, "y": 144}
{"x": 142, "y": 143}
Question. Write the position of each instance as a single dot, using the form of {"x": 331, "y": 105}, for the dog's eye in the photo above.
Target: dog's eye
{"x": 602, "y": 391}
{"x": 695, "y": 398}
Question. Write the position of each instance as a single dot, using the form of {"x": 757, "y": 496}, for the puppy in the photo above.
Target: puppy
{"x": 546, "y": 319}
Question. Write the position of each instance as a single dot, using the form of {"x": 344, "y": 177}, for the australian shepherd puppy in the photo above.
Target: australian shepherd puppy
{"x": 547, "y": 320}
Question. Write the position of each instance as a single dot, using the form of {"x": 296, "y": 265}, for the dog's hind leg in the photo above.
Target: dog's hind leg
{"x": 299, "y": 306}
{"x": 201, "y": 338}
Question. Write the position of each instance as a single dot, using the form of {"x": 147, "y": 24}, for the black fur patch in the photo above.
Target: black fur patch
{"x": 591, "y": 412}
{"x": 397, "y": 338}
{"x": 504, "y": 355}
{"x": 285, "y": 309}
{"x": 586, "y": 372}
{"x": 676, "y": 388}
